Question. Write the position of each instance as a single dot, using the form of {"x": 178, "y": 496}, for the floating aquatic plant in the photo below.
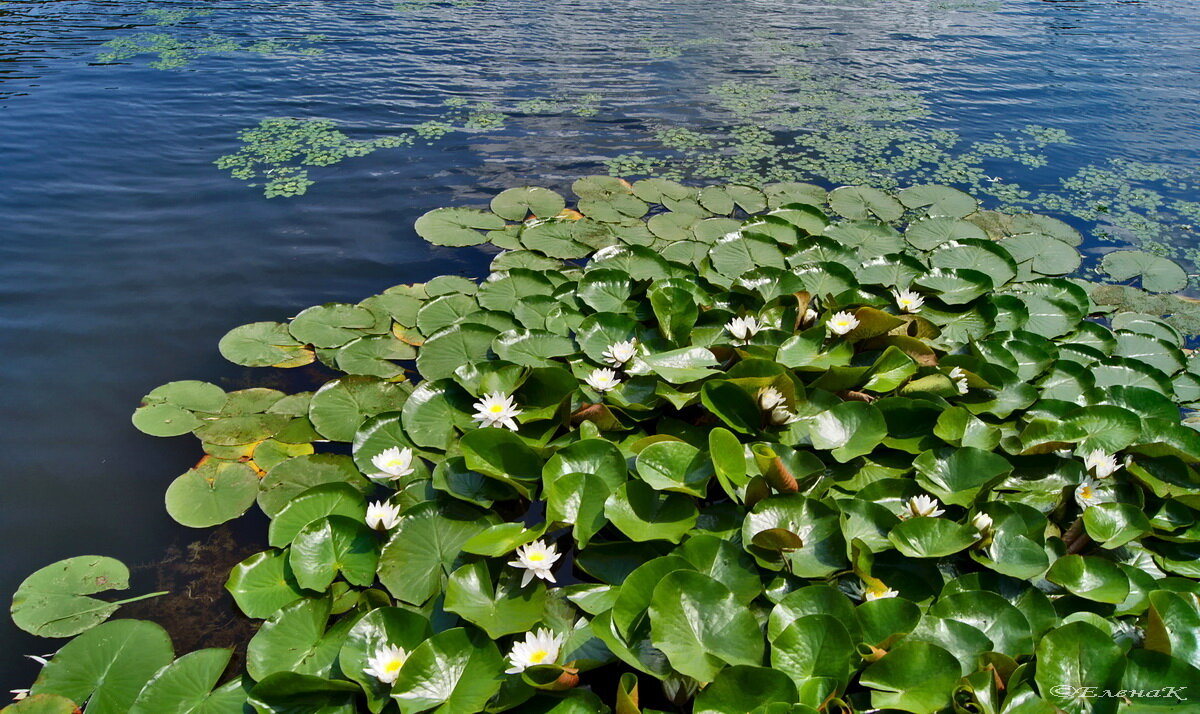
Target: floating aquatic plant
{"x": 277, "y": 151}
{"x": 178, "y": 49}
{"x": 165, "y": 16}
{"x": 174, "y": 52}
{"x": 806, "y": 122}
{"x": 739, "y": 448}
{"x": 668, "y": 49}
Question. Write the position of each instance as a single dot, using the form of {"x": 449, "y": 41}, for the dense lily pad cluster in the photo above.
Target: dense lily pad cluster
{"x": 731, "y": 449}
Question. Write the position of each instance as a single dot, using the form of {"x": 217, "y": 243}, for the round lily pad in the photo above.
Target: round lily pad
{"x": 212, "y": 493}
{"x": 862, "y": 202}
{"x": 517, "y": 203}
{"x": 54, "y": 602}
{"x": 264, "y": 344}
{"x": 1157, "y": 274}
{"x": 457, "y": 226}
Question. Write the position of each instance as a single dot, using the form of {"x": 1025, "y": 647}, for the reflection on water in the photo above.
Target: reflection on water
{"x": 126, "y": 253}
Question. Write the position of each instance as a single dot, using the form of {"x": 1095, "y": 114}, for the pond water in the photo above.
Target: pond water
{"x": 139, "y": 222}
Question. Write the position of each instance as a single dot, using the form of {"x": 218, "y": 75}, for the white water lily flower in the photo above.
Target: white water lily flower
{"x": 982, "y": 522}
{"x": 870, "y": 594}
{"x": 602, "y": 379}
{"x": 540, "y": 647}
{"x": 922, "y": 505}
{"x": 1100, "y": 463}
{"x": 385, "y": 664}
{"x": 1087, "y": 494}
{"x": 382, "y": 516}
{"x": 497, "y": 409}
{"x": 618, "y": 353}
{"x": 959, "y": 377}
{"x": 810, "y": 316}
{"x": 842, "y": 322}
{"x": 18, "y": 694}
{"x": 537, "y": 558}
{"x": 41, "y": 659}
{"x": 393, "y": 463}
{"x": 743, "y": 328}
{"x": 770, "y": 398}
{"x": 908, "y": 301}
{"x": 782, "y": 417}
{"x": 829, "y": 431}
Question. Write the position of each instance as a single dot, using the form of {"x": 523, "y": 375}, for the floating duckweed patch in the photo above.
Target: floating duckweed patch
{"x": 664, "y": 49}
{"x": 179, "y": 50}
{"x": 584, "y": 105}
{"x": 275, "y": 153}
{"x": 164, "y": 16}
{"x": 739, "y": 448}
{"x": 276, "y": 150}
{"x": 174, "y": 52}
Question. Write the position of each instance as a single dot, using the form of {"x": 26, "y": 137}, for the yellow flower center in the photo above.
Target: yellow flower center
{"x": 496, "y": 408}
{"x": 536, "y": 557}
{"x": 395, "y": 463}
{"x": 537, "y": 656}
{"x": 1086, "y": 492}
{"x": 393, "y": 665}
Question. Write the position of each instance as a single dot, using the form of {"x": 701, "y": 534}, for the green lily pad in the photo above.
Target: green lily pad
{"x": 293, "y": 477}
{"x": 340, "y": 407}
{"x": 1157, "y": 274}
{"x": 1077, "y": 662}
{"x": 54, "y": 602}
{"x": 926, "y": 537}
{"x": 263, "y": 583}
{"x": 643, "y": 514}
{"x": 939, "y": 200}
{"x": 675, "y": 466}
{"x": 188, "y": 686}
{"x": 499, "y": 608}
{"x": 290, "y": 693}
{"x": 263, "y": 344}
{"x": 424, "y": 549}
{"x": 914, "y": 676}
{"x": 330, "y": 325}
{"x": 1090, "y": 577}
{"x": 862, "y": 202}
{"x": 212, "y": 493}
{"x": 107, "y": 666}
{"x": 743, "y": 688}
{"x": 848, "y": 430}
{"x": 457, "y": 226}
{"x": 452, "y": 670}
{"x": 295, "y": 639}
{"x": 332, "y": 546}
{"x": 515, "y": 204}
{"x": 701, "y": 627}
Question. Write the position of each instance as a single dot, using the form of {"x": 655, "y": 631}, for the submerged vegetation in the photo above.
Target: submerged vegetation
{"x": 731, "y": 449}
